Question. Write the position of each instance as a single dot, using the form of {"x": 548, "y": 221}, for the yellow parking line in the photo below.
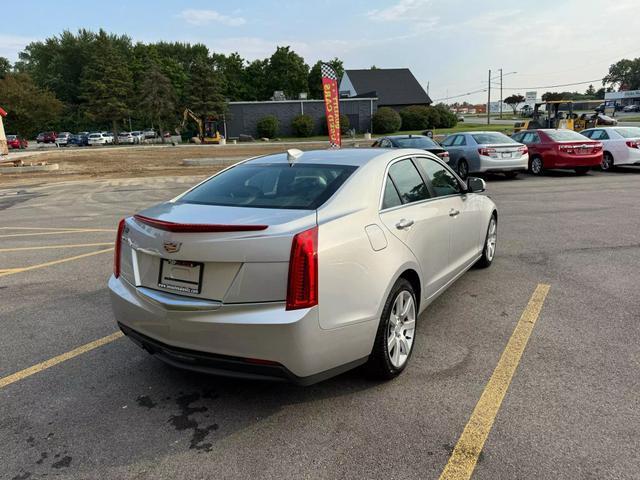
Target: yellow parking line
{"x": 466, "y": 452}
{"x": 27, "y": 372}
{"x": 57, "y": 232}
{"x": 47, "y": 247}
{"x": 54, "y": 262}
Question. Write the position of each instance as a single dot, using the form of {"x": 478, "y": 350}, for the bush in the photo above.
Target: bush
{"x": 415, "y": 117}
{"x": 268, "y": 126}
{"x": 386, "y": 120}
{"x": 345, "y": 124}
{"x": 446, "y": 118}
{"x": 302, "y": 126}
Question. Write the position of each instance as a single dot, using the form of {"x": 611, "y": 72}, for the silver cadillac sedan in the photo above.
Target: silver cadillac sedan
{"x": 299, "y": 266}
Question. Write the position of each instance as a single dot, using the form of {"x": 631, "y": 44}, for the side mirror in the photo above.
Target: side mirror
{"x": 476, "y": 185}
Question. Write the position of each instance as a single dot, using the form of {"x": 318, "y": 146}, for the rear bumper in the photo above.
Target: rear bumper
{"x": 573, "y": 161}
{"x": 488, "y": 164}
{"x": 248, "y": 341}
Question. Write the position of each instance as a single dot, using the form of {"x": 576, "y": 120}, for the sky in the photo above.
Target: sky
{"x": 449, "y": 45}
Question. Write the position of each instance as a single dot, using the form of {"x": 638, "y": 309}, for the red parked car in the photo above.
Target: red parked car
{"x": 17, "y": 142}
{"x": 550, "y": 148}
{"x": 46, "y": 137}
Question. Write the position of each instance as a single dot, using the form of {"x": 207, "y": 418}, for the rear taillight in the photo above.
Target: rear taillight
{"x": 487, "y": 152}
{"x": 118, "y": 249}
{"x": 566, "y": 148}
{"x": 633, "y": 143}
{"x": 597, "y": 147}
{"x": 444, "y": 156}
{"x": 302, "y": 287}
{"x": 523, "y": 150}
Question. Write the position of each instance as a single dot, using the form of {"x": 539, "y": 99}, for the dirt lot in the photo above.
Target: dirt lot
{"x": 129, "y": 162}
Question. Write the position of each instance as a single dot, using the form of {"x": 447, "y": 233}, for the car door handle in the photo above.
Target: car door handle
{"x": 404, "y": 223}
{"x": 454, "y": 213}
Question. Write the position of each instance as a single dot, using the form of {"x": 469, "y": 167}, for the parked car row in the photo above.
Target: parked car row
{"x": 83, "y": 139}
{"x": 17, "y": 142}
{"x": 535, "y": 150}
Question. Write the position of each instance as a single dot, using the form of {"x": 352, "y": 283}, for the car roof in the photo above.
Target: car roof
{"x": 393, "y": 137}
{"x": 343, "y": 156}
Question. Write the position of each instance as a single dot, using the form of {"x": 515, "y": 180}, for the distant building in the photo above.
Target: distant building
{"x": 394, "y": 87}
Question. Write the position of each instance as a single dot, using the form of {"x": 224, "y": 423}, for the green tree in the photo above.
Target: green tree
{"x": 315, "y": 76}
{"x": 624, "y": 75}
{"x": 287, "y": 72}
{"x": 513, "y": 101}
{"x": 5, "y": 67}
{"x": 590, "y": 91}
{"x": 106, "y": 84}
{"x": 204, "y": 89}
{"x": 256, "y": 80}
{"x": 29, "y": 108}
{"x": 158, "y": 99}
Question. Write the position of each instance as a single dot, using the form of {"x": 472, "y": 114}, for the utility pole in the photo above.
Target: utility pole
{"x": 500, "y": 94}
{"x": 489, "y": 100}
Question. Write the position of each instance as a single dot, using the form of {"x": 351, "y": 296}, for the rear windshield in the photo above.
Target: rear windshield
{"x": 629, "y": 132}
{"x": 491, "y": 137}
{"x": 301, "y": 186}
{"x": 565, "y": 136}
{"x": 416, "y": 142}
{"x": 11, "y": 137}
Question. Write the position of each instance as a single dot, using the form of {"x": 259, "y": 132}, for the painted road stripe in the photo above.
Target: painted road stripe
{"x": 47, "y": 247}
{"x": 57, "y": 232}
{"x": 54, "y": 262}
{"x": 466, "y": 452}
{"x": 27, "y": 372}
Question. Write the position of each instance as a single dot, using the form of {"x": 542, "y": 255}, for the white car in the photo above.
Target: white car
{"x": 299, "y": 266}
{"x": 96, "y": 138}
{"x": 138, "y": 136}
{"x": 62, "y": 140}
{"x": 108, "y": 137}
{"x": 126, "y": 138}
{"x": 149, "y": 133}
{"x": 621, "y": 145}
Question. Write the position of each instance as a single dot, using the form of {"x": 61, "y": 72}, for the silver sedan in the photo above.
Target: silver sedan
{"x": 299, "y": 266}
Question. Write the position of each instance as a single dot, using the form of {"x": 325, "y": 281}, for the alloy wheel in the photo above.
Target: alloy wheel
{"x": 607, "y": 162}
{"x": 536, "y": 165}
{"x": 401, "y": 329}
{"x": 463, "y": 169}
{"x": 492, "y": 237}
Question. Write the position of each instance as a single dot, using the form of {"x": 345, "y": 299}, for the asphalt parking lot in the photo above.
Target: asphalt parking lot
{"x": 109, "y": 410}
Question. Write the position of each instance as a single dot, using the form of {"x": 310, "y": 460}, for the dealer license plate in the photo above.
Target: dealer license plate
{"x": 180, "y": 276}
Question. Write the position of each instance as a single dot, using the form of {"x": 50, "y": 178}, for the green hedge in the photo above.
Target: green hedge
{"x": 268, "y": 126}
{"x": 302, "y": 126}
{"x": 420, "y": 117}
{"x": 386, "y": 120}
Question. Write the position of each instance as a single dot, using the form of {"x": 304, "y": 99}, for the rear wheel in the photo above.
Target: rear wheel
{"x": 396, "y": 333}
{"x": 607, "y": 162}
{"x": 463, "y": 169}
{"x": 581, "y": 170}
{"x": 536, "y": 166}
{"x": 489, "y": 251}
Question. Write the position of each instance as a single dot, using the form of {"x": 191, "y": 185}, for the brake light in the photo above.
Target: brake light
{"x": 487, "y": 152}
{"x": 523, "y": 149}
{"x": 566, "y": 148}
{"x": 444, "y": 156}
{"x": 118, "y": 249}
{"x": 597, "y": 147}
{"x": 633, "y": 143}
{"x": 196, "y": 227}
{"x": 302, "y": 288}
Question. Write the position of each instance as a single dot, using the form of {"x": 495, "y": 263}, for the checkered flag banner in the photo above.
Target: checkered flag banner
{"x": 331, "y": 104}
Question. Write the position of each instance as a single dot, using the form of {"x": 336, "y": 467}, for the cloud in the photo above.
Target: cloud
{"x": 402, "y": 10}
{"x": 206, "y": 17}
{"x": 11, "y": 45}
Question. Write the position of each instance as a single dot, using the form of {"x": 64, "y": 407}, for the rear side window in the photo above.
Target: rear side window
{"x": 391, "y": 198}
{"x": 599, "y": 135}
{"x": 408, "y": 181}
{"x": 530, "y": 137}
{"x": 459, "y": 141}
{"x": 301, "y": 186}
{"x": 442, "y": 180}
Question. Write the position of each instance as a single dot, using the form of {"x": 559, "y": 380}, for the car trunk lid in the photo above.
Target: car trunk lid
{"x": 505, "y": 151}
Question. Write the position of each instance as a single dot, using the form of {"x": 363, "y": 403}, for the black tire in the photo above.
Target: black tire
{"x": 487, "y": 257}
{"x": 581, "y": 170}
{"x": 379, "y": 365}
{"x": 511, "y": 174}
{"x": 536, "y": 165}
{"x": 463, "y": 169}
{"x": 607, "y": 164}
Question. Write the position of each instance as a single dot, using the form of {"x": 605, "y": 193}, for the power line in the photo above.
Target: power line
{"x": 460, "y": 95}
{"x": 554, "y": 86}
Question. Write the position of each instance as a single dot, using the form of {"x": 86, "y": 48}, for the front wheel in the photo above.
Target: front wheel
{"x": 396, "y": 333}
{"x": 536, "y": 166}
{"x": 489, "y": 250}
{"x": 463, "y": 169}
{"x": 607, "y": 162}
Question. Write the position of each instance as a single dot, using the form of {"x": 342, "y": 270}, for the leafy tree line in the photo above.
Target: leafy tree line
{"x": 97, "y": 80}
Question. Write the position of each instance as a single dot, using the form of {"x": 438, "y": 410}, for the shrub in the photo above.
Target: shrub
{"x": 415, "y": 117}
{"x": 302, "y": 126}
{"x": 345, "y": 124}
{"x": 446, "y": 118}
{"x": 386, "y": 120}
{"x": 268, "y": 126}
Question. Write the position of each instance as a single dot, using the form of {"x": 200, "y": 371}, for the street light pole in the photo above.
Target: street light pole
{"x": 500, "y": 94}
{"x": 489, "y": 100}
